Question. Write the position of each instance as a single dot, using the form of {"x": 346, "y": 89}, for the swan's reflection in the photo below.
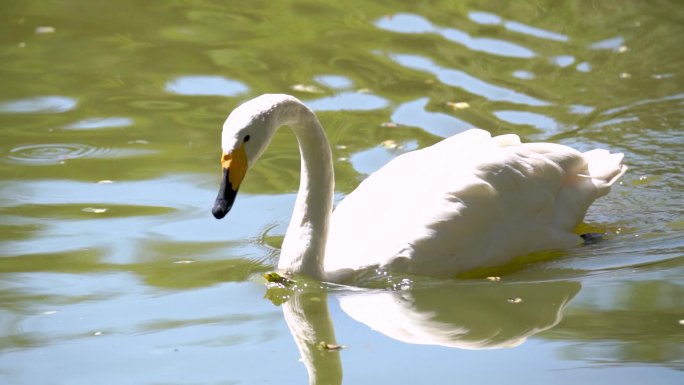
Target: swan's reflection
{"x": 466, "y": 315}
{"x": 307, "y": 317}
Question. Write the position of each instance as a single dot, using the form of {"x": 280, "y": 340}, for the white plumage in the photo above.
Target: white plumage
{"x": 469, "y": 201}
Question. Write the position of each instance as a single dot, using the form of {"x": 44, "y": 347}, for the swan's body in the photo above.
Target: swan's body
{"x": 469, "y": 201}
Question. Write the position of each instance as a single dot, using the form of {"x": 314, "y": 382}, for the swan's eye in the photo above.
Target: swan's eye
{"x": 246, "y": 139}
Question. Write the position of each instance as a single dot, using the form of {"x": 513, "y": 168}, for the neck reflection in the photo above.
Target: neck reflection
{"x": 457, "y": 314}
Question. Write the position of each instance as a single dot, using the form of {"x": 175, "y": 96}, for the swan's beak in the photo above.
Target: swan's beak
{"x": 234, "y": 166}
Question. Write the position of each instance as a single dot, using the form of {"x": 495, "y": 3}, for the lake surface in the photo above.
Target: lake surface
{"x": 112, "y": 269}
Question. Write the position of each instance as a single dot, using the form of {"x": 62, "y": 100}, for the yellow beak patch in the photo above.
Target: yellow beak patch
{"x": 236, "y": 164}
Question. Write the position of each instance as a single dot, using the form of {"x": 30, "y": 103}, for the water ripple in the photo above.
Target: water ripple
{"x": 486, "y": 18}
{"x": 563, "y": 60}
{"x": 39, "y": 105}
{"x": 414, "y": 114}
{"x": 410, "y": 23}
{"x": 157, "y": 105}
{"x": 583, "y": 67}
{"x": 457, "y": 78}
{"x": 523, "y": 75}
{"x": 96, "y": 123}
{"x": 205, "y": 85}
{"x": 612, "y": 44}
{"x": 58, "y": 153}
{"x": 534, "y": 31}
{"x": 336, "y": 82}
{"x": 368, "y": 161}
{"x": 348, "y": 101}
{"x": 541, "y": 122}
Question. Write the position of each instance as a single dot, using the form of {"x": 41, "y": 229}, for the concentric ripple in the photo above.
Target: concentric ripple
{"x": 57, "y": 153}
{"x": 49, "y": 153}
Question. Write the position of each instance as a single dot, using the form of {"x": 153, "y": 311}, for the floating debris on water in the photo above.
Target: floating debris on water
{"x": 493, "y": 279}
{"x": 515, "y": 300}
{"x": 44, "y": 30}
{"x": 326, "y": 346}
{"x": 457, "y": 105}
{"x": 278, "y": 279}
{"x": 105, "y": 181}
{"x": 306, "y": 88}
{"x": 390, "y": 144}
{"x": 95, "y": 210}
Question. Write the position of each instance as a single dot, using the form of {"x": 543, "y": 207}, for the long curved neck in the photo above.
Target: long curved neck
{"x": 304, "y": 245}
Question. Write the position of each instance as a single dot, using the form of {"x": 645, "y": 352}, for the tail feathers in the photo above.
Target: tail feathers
{"x": 604, "y": 168}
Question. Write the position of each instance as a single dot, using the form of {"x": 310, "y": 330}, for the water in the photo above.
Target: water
{"x": 112, "y": 269}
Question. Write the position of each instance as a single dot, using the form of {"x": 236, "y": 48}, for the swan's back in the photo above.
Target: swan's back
{"x": 469, "y": 201}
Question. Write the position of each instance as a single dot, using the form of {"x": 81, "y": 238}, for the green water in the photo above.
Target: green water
{"x": 112, "y": 269}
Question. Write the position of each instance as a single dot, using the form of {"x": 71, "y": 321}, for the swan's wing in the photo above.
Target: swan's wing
{"x": 466, "y": 202}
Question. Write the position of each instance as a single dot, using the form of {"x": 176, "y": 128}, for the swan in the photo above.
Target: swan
{"x": 468, "y": 201}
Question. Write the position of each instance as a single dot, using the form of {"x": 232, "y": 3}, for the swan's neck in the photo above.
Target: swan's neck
{"x": 304, "y": 245}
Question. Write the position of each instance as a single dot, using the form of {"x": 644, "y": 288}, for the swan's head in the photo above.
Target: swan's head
{"x": 246, "y": 134}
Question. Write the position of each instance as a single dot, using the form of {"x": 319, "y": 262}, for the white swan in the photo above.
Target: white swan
{"x": 469, "y": 201}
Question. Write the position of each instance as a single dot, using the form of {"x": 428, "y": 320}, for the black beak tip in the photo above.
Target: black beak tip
{"x": 221, "y": 208}
{"x": 226, "y": 197}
